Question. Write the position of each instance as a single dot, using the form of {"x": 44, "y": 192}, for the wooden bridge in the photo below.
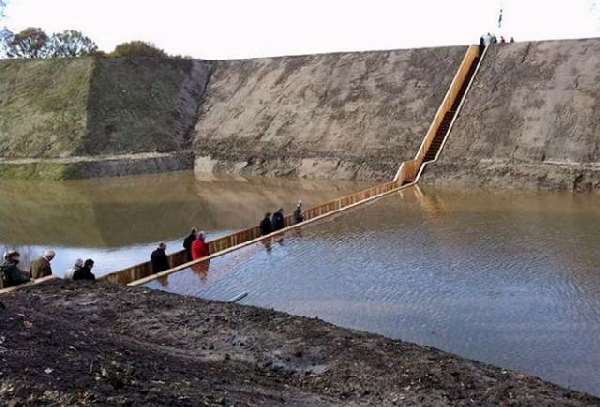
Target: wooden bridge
{"x": 408, "y": 174}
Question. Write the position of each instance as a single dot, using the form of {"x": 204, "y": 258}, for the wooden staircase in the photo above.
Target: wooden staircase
{"x": 445, "y": 116}
{"x": 449, "y": 116}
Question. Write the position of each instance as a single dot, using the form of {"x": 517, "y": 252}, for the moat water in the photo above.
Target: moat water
{"x": 511, "y": 279}
{"x": 119, "y": 221}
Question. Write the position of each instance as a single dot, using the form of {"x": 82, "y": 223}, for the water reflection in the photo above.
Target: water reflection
{"x": 507, "y": 278}
{"x": 118, "y": 221}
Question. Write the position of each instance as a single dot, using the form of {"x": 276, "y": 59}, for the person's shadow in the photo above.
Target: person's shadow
{"x": 201, "y": 269}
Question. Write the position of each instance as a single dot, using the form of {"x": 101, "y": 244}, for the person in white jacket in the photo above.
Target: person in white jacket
{"x": 78, "y": 265}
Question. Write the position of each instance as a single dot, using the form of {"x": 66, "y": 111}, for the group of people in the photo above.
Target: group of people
{"x": 11, "y": 275}
{"x": 194, "y": 244}
{"x": 491, "y": 39}
{"x": 276, "y": 221}
{"x": 195, "y": 247}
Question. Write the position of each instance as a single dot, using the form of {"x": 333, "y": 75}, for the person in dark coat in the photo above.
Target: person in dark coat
{"x": 10, "y": 275}
{"x": 298, "y": 213}
{"x": 187, "y": 243}
{"x": 159, "y": 259}
{"x": 265, "y": 225}
{"x": 85, "y": 272}
{"x": 278, "y": 220}
{"x": 41, "y": 267}
{"x": 481, "y": 44}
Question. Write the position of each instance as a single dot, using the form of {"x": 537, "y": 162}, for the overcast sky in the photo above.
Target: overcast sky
{"x": 224, "y": 29}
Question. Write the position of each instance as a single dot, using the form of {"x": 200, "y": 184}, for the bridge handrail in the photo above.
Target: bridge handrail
{"x": 176, "y": 260}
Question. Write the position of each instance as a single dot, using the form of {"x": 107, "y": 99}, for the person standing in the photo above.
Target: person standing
{"x": 481, "y": 45}
{"x": 298, "y": 213}
{"x": 187, "y": 243}
{"x": 10, "y": 275}
{"x": 85, "y": 272}
{"x": 265, "y": 225}
{"x": 278, "y": 220}
{"x": 159, "y": 259}
{"x": 200, "y": 247}
{"x": 41, "y": 267}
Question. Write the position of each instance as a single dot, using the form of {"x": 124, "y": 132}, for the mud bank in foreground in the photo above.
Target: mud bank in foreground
{"x": 68, "y": 344}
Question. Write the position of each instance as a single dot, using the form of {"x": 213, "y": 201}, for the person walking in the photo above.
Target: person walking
{"x": 71, "y": 272}
{"x": 265, "y": 225}
{"x": 10, "y": 275}
{"x": 200, "y": 247}
{"x": 159, "y": 259}
{"x": 85, "y": 272}
{"x": 187, "y": 243}
{"x": 278, "y": 220}
{"x": 298, "y": 213}
{"x": 41, "y": 267}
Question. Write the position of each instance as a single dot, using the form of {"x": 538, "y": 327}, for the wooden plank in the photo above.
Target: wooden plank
{"x": 30, "y": 284}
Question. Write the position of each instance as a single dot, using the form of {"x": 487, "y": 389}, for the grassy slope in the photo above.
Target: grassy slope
{"x": 43, "y": 107}
{"x": 134, "y": 106}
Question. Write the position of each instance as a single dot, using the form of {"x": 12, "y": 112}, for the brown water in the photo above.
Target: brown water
{"x": 119, "y": 221}
{"x": 511, "y": 279}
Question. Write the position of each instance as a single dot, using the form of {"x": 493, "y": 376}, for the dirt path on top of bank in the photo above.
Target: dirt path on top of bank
{"x": 68, "y": 344}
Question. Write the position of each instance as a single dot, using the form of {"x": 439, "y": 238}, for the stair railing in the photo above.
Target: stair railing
{"x": 454, "y": 118}
{"x": 409, "y": 170}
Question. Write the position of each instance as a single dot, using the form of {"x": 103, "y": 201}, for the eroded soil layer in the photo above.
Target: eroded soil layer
{"x": 68, "y": 344}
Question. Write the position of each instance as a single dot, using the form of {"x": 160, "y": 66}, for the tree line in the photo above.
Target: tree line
{"x": 35, "y": 43}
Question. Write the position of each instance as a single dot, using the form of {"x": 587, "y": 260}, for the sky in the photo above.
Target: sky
{"x": 229, "y": 29}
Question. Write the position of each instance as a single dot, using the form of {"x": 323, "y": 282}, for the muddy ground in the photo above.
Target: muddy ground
{"x": 68, "y": 344}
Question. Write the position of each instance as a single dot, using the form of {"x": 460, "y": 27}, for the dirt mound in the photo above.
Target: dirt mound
{"x": 347, "y": 116}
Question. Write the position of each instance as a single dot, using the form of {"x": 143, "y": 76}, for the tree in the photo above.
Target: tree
{"x": 138, "y": 49}
{"x": 29, "y": 43}
{"x": 2, "y": 7}
{"x": 5, "y": 36}
{"x": 35, "y": 43}
{"x": 70, "y": 44}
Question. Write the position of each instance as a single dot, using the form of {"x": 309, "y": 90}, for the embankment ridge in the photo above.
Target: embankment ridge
{"x": 346, "y": 116}
{"x": 530, "y": 119}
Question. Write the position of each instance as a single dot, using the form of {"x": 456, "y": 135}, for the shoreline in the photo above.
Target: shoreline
{"x": 95, "y": 167}
{"x": 78, "y": 344}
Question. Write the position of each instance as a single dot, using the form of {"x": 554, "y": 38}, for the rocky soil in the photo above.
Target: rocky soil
{"x": 67, "y": 344}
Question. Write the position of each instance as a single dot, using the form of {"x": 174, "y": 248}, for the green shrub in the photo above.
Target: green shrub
{"x": 137, "y": 49}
